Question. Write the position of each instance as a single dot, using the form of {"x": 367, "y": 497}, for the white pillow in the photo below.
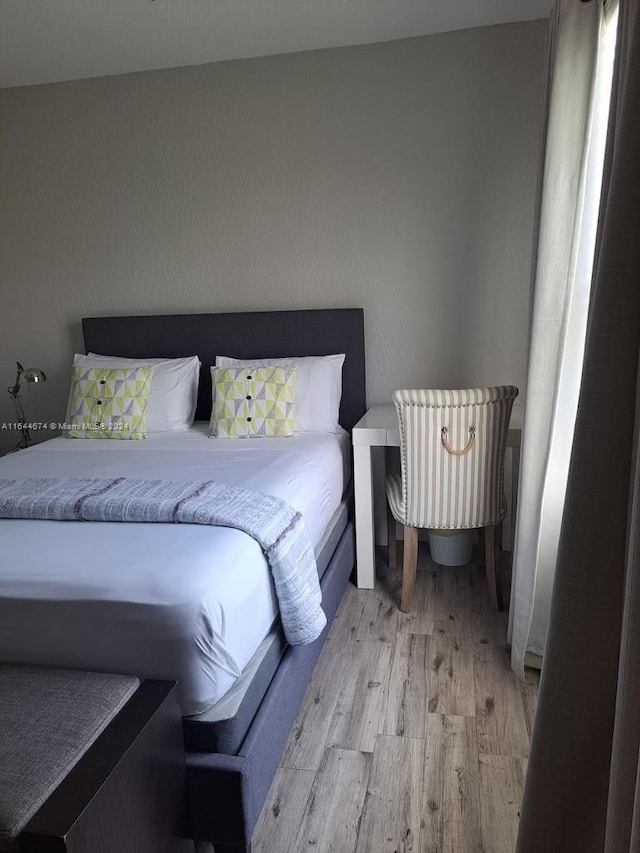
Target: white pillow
{"x": 318, "y": 387}
{"x": 174, "y": 387}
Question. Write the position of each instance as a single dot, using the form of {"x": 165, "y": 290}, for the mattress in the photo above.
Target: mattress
{"x": 183, "y": 602}
{"x": 222, "y": 727}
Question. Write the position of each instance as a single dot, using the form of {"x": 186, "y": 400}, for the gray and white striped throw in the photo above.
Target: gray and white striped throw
{"x": 277, "y": 527}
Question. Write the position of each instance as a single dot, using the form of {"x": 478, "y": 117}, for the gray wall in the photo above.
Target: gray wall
{"x": 399, "y": 177}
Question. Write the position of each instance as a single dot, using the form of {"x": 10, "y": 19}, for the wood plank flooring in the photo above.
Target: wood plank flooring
{"x": 413, "y": 734}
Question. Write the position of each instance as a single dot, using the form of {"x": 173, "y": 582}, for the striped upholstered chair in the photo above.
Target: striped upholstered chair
{"x": 452, "y": 446}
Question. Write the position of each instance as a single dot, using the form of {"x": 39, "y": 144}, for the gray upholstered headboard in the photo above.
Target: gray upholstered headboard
{"x": 243, "y": 335}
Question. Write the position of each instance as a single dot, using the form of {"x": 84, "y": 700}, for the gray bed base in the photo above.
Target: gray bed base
{"x": 227, "y": 792}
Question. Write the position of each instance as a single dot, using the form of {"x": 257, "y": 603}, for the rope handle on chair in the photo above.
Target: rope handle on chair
{"x": 447, "y": 445}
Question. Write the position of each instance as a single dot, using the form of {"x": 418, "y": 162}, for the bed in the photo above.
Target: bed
{"x": 233, "y": 743}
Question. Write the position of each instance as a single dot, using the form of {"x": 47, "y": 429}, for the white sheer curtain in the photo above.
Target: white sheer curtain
{"x": 580, "y": 65}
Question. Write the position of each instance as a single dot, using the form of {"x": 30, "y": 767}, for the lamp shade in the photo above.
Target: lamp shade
{"x": 33, "y": 374}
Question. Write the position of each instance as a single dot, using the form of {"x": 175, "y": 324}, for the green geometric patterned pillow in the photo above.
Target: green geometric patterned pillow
{"x": 109, "y": 402}
{"x": 253, "y": 402}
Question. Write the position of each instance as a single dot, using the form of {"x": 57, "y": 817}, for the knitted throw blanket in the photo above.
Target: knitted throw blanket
{"x": 276, "y": 526}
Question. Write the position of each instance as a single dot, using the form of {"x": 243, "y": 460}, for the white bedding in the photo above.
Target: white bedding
{"x": 156, "y": 600}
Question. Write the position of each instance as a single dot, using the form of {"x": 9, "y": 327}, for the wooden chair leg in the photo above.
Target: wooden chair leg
{"x": 391, "y": 539}
{"x": 482, "y": 556}
{"x": 409, "y": 566}
{"x": 492, "y": 556}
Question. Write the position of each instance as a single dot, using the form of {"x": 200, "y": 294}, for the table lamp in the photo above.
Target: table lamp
{"x": 24, "y": 377}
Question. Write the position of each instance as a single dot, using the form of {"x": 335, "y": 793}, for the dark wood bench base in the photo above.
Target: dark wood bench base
{"x": 127, "y": 793}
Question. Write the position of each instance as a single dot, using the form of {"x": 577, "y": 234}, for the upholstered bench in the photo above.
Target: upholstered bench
{"x": 89, "y": 762}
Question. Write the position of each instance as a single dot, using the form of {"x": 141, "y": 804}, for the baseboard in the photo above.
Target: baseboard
{"x": 534, "y": 661}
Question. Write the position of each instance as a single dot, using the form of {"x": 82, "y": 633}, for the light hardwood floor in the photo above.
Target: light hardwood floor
{"x": 414, "y": 733}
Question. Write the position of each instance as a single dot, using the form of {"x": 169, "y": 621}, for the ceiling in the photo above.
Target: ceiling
{"x": 44, "y": 41}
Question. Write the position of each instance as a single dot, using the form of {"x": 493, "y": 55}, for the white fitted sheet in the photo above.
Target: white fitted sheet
{"x": 183, "y": 602}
